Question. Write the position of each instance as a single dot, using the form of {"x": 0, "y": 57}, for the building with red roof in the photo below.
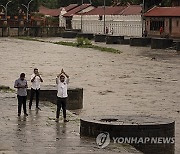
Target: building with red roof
{"x": 49, "y": 12}
{"x": 166, "y": 18}
{"x": 132, "y": 10}
{"x": 109, "y": 10}
{"x": 119, "y": 20}
{"x": 66, "y": 18}
{"x": 81, "y": 8}
{"x": 55, "y": 12}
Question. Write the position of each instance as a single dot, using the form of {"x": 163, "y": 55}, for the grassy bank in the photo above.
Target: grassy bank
{"x": 6, "y": 89}
{"x": 75, "y": 44}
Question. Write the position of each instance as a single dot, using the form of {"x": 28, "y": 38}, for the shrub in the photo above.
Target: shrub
{"x": 87, "y": 42}
{"x": 80, "y": 41}
{"x": 83, "y": 41}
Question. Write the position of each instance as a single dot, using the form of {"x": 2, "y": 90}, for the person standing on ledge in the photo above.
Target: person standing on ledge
{"x": 62, "y": 81}
{"x": 21, "y": 85}
{"x": 36, "y": 79}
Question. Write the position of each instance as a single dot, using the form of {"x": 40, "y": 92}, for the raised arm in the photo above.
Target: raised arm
{"x": 67, "y": 76}
{"x": 40, "y": 77}
{"x": 62, "y": 71}
{"x": 33, "y": 78}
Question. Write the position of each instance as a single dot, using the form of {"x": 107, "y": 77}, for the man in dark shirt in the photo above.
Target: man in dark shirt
{"x": 21, "y": 85}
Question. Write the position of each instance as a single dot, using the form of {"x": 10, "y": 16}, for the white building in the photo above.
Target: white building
{"x": 65, "y": 17}
{"x": 126, "y": 21}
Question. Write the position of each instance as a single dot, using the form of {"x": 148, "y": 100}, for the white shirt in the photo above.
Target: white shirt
{"x": 62, "y": 88}
{"x": 36, "y": 82}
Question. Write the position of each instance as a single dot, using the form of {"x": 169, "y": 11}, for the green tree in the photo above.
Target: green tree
{"x": 16, "y": 5}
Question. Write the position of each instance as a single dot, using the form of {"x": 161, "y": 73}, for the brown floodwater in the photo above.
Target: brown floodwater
{"x": 137, "y": 81}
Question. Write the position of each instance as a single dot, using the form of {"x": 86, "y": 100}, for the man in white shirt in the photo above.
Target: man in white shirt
{"x": 62, "y": 81}
{"x": 35, "y": 88}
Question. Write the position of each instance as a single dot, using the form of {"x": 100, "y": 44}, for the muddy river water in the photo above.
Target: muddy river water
{"x": 137, "y": 81}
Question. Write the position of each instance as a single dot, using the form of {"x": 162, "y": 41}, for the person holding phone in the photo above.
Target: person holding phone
{"x": 36, "y": 80}
{"x": 21, "y": 85}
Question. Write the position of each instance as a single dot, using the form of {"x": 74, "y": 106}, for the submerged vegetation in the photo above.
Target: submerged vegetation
{"x": 5, "y": 89}
{"x": 80, "y": 43}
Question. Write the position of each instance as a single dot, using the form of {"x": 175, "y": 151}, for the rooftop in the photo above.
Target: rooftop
{"x": 116, "y": 10}
{"x": 55, "y": 12}
{"x": 132, "y": 10}
{"x": 76, "y": 10}
{"x": 163, "y": 12}
{"x": 109, "y": 10}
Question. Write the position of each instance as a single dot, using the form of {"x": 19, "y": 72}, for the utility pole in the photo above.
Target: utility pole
{"x": 104, "y": 16}
{"x": 81, "y": 15}
{"x": 143, "y": 10}
{"x": 27, "y": 10}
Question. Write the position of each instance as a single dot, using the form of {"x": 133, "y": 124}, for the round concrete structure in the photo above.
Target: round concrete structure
{"x": 49, "y": 93}
{"x": 136, "y": 126}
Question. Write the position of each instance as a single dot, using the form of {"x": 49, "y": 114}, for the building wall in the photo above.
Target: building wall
{"x": 62, "y": 20}
{"x": 176, "y": 27}
{"x": 173, "y": 22}
{"x": 166, "y": 26}
{"x": 130, "y": 25}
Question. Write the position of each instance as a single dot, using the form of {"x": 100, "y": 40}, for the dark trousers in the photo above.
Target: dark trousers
{"x": 61, "y": 102}
{"x": 33, "y": 91}
{"x": 21, "y": 101}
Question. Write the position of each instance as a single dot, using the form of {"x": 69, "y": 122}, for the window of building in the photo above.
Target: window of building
{"x": 166, "y": 23}
{"x": 147, "y": 23}
{"x": 100, "y": 17}
{"x": 156, "y": 25}
{"x": 177, "y": 23}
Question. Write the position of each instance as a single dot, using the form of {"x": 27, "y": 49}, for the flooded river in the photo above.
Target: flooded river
{"x": 137, "y": 81}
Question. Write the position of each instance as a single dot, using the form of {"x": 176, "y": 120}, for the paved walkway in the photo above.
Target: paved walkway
{"x": 39, "y": 133}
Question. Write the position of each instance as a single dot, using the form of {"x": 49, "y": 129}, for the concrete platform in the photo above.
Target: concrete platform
{"x": 141, "y": 41}
{"x": 161, "y": 43}
{"x": 49, "y": 93}
{"x": 89, "y": 36}
{"x": 136, "y": 126}
{"x": 114, "y": 39}
{"x": 69, "y": 34}
{"x": 100, "y": 38}
{"x": 124, "y": 41}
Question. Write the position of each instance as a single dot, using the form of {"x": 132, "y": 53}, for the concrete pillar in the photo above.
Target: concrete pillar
{"x": 178, "y": 47}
